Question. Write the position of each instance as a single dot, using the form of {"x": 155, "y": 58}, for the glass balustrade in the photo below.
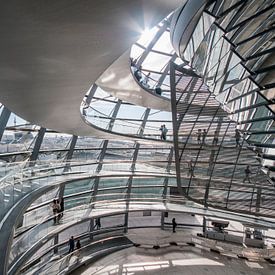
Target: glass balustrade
{"x": 25, "y": 179}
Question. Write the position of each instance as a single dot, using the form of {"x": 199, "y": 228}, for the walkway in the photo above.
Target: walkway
{"x": 170, "y": 260}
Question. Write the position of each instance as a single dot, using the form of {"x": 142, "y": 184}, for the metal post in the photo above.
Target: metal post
{"x": 142, "y": 126}
{"x": 70, "y": 153}
{"x": 55, "y": 242}
{"x": 4, "y": 118}
{"x": 204, "y": 225}
{"x": 174, "y": 120}
{"x": 258, "y": 199}
{"x": 114, "y": 115}
{"x": 129, "y": 187}
{"x": 92, "y": 225}
{"x": 37, "y": 145}
{"x": 165, "y": 184}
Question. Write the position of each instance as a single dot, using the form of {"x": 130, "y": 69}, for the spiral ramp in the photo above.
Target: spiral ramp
{"x": 193, "y": 171}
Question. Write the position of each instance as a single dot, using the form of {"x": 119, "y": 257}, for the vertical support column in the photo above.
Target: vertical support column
{"x": 206, "y": 194}
{"x": 91, "y": 94}
{"x": 165, "y": 184}
{"x": 204, "y": 225}
{"x": 92, "y": 225}
{"x": 114, "y": 115}
{"x": 129, "y": 187}
{"x": 4, "y": 118}
{"x": 88, "y": 98}
{"x": 133, "y": 166}
{"x": 70, "y": 153}
{"x": 174, "y": 121}
{"x": 130, "y": 180}
{"x": 103, "y": 151}
{"x": 213, "y": 151}
{"x": 56, "y": 240}
{"x": 98, "y": 169}
{"x": 258, "y": 199}
{"x": 37, "y": 145}
{"x": 72, "y": 146}
{"x": 142, "y": 126}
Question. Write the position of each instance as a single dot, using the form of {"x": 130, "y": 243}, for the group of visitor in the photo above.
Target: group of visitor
{"x": 58, "y": 209}
{"x": 71, "y": 241}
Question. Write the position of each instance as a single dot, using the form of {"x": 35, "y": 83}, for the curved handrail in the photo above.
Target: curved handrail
{"x": 63, "y": 264}
{"x": 148, "y": 89}
{"x": 117, "y": 206}
{"x": 45, "y": 166}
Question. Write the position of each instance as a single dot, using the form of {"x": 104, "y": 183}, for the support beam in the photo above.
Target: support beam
{"x": 165, "y": 184}
{"x": 70, "y": 153}
{"x": 92, "y": 225}
{"x": 55, "y": 242}
{"x": 4, "y": 118}
{"x": 37, "y": 145}
{"x": 258, "y": 199}
{"x": 72, "y": 146}
{"x": 114, "y": 115}
{"x": 145, "y": 118}
{"x": 174, "y": 120}
{"x": 129, "y": 187}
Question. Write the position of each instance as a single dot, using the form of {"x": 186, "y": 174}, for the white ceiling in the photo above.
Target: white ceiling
{"x": 51, "y": 52}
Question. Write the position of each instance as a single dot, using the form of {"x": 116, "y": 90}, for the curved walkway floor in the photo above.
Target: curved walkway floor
{"x": 171, "y": 260}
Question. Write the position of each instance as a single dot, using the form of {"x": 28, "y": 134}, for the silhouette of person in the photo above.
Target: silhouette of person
{"x": 216, "y": 138}
{"x": 158, "y": 90}
{"x": 97, "y": 223}
{"x": 237, "y": 137}
{"x": 247, "y": 172}
{"x": 146, "y": 80}
{"x": 61, "y": 203}
{"x": 137, "y": 73}
{"x": 163, "y": 132}
{"x": 71, "y": 244}
{"x": 199, "y": 136}
{"x": 174, "y": 224}
{"x": 204, "y": 133}
{"x": 56, "y": 208}
{"x": 190, "y": 169}
{"x": 78, "y": 245}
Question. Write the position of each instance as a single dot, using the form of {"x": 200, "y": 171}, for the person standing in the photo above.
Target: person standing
{"x": 190, "y": 169}
{"x": 78, "y": 245}
{"x": 97, "y": 223}
{"x": 161, "y": 130}
{"x": 61, "y": 208}
{"x": 174, "y": 224}
{"x": 199, "y": 136}
{"x": 146, "y": 80}
{"x": 247, "y": 172}
{"x": 158, "y": 90}
{"x": 71, "y": 244}
{"x": 77, "y": 252}
{"x": 137, "y": 74}
{"x": 204, "y": 133}
{"x": 56, "y": 208}
{"x": 237, "y": 137}
{"x": 216, "y": 138}
{"x": 164, "y": 132}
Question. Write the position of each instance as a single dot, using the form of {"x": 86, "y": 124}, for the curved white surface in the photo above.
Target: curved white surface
{"x": 53, "y": 51}
{"x": 119, "y": 81}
